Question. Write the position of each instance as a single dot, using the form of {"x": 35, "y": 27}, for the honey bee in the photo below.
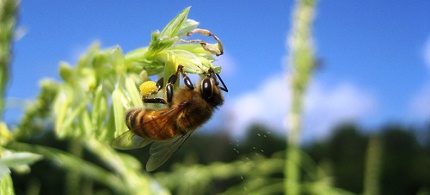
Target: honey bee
{"x": 185, "y": 110}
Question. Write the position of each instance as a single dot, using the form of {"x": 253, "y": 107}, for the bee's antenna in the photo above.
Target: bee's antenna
{"x": 224, "y": 87}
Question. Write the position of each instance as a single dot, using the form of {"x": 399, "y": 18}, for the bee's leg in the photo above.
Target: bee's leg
{"x": 159, "y": 83}
{"x": 187, "y": 80}
{"x": 154, "y": 100}
{"x": 172, "y": 81}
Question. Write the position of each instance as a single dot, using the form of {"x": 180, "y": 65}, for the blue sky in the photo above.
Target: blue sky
{"x": 374, "y": 55}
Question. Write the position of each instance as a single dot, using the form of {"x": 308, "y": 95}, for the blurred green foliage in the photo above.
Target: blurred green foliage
{"x": 9, "y": 159}
{"x": 8, "y": 18}
{"x": 216, "y": 163}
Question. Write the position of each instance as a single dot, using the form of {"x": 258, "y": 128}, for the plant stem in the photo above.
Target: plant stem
{"x": 73, "y": 178}
{"x": 302, "y": 63}
{"x": 373, "y": 166}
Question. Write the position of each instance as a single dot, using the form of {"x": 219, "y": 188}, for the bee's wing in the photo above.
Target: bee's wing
{"x": 161, "y": 151}
{"x": 128, "y": 140}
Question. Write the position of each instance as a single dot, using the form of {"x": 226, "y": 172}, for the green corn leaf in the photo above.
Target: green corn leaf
{"x": 19, "y": 158}
{"x": 68, "y": 126}
{"x": 66, "y": 72}
{"x": 6, "y": 185}
{"x": 99, "y": 111}
{"x": 62, "y": 102}
{"x": 5, "y": 135}
{"x": 172, "y": 29}
{"x": 118, "y": 109}
{"x": 85, "y": 124}
{"x": 109, "y": 131}
{"x": 187, "y": 26}
{"x": 133, "y": 92}
{"x": 4, "y": 170}
{"x": 117, "y": 59}
{"x": 76, "y": 164}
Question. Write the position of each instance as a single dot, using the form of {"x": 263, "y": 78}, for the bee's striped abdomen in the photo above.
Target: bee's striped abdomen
{"x": 152, "y": 124}
{"x": 135, "y": 121}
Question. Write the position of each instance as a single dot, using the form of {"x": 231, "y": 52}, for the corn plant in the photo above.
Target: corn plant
{"x": 302, "y": 61}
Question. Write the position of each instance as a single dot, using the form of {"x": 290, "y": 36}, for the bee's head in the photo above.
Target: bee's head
{"x": 210, "y": 89}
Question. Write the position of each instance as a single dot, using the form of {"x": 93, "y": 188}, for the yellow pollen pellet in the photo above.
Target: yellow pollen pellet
{"x": 148, "y": 88}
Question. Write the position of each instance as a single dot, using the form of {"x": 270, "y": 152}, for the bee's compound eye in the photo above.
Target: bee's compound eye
{"x": 206, "y": 88}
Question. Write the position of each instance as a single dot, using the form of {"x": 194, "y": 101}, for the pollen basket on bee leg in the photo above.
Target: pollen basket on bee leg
{"x": 148, "y": 88}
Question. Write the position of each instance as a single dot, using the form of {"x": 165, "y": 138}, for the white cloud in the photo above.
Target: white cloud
{"x": 325, "y": 106}
{"x": 419, "y": 106}
{"x": 427, "y": 53}
{"x": 328, "y": 106}
{"x": 268, "y": 105}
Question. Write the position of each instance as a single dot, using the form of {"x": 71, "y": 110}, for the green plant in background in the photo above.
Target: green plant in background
{"x": 301, "y": 57}
{"x": 373, "y": 166}
{"x": 9, "y": 159}
{"x": 302, "y": 63}
{"x": 8, "y": 14}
